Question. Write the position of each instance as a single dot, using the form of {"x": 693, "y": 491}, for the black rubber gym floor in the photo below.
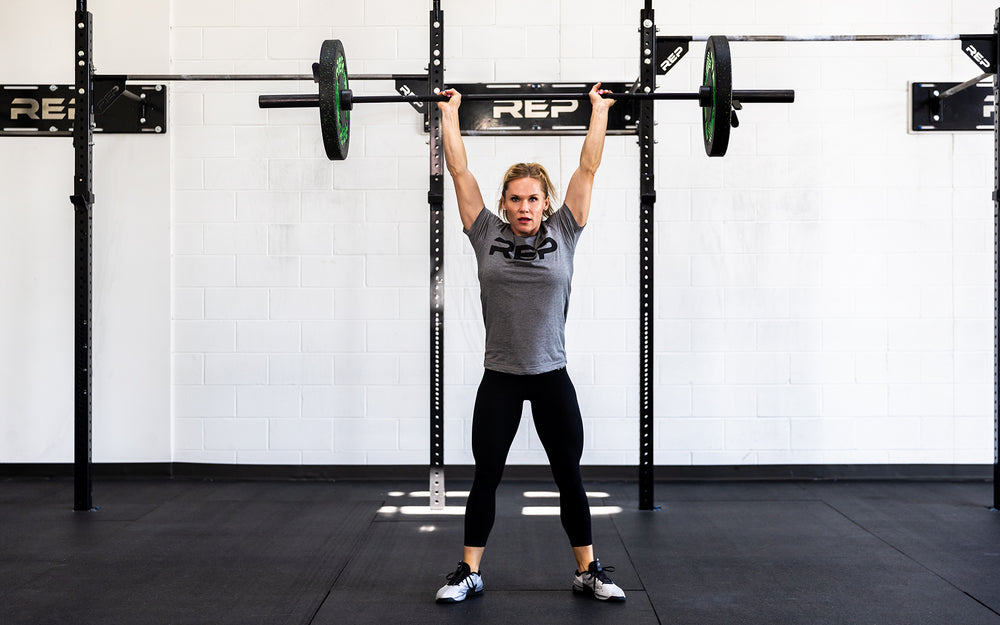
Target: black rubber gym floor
{"x": 368, "y": 552}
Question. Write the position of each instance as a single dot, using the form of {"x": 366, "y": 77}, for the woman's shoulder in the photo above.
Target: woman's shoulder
{"x": 563, "y": 218}
{"x": 485, "y": 221}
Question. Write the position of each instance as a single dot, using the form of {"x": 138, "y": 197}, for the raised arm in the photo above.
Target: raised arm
{"x": 581, "y": 184}
{"x": 470, "y": 199}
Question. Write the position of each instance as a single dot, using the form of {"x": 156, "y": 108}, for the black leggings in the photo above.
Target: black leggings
{"x": 556, "y": 414}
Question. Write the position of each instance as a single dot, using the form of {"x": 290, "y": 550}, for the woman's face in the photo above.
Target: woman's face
{"x": 524, "y": 202}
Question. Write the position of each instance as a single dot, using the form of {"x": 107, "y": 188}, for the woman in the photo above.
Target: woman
{"x": 525, "y": 269}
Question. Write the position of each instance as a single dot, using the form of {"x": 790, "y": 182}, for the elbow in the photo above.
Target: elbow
{"x": 589, "y": 163}
{"x": 457, "y": 170}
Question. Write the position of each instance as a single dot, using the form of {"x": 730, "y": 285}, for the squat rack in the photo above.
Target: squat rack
{"x": 83, "y": 200}
{"x": 984, "y": 51}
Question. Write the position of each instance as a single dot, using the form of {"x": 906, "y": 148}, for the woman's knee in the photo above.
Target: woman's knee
{"x": 487, "y": 476}
{"x": 567, "y": 478}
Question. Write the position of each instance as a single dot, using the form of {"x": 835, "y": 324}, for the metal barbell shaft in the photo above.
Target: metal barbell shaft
{"x": 841, "y": 37}
{"x": 260, "y": 77}
{"x": 312, "y": 100}
{"x": 550, "y": 95}
{"x": 750, "y": 95}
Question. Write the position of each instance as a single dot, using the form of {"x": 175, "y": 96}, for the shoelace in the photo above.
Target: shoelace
{"x": 602, "y": 575}
{"x": 456, "y": 578}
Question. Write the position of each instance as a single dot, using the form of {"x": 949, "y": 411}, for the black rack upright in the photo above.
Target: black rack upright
{"x": 435, "y": 198}
{"x": 647, "y": 254}
{"x": 83, "y": 202}
{"x": 996, "y": 268}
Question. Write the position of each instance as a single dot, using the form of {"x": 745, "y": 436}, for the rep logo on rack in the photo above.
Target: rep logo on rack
{"x": 977, "y": 56}
{"x": 533, "y": 109}
{"x": 44, "y": 108}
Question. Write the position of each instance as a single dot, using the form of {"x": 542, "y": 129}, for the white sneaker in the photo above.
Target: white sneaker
{"x": 461, "y": 584}
{"x": 596, "y": 582}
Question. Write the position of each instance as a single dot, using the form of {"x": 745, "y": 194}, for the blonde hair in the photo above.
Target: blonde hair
{"x": 536, "y": 172}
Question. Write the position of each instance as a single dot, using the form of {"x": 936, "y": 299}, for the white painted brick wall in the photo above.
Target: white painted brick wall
{"x": 235, "y": 369}
{"x": 301, "y": 435}
{"x": 824, "y": 293}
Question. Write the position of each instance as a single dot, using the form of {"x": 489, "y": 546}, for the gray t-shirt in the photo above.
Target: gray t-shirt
{"x": 524, "y": 286}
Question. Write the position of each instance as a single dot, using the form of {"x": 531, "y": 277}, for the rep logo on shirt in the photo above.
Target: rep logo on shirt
{"x": 523, "y": 252}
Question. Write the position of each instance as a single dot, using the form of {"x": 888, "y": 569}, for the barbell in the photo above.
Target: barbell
{"x": 336, "y": 100}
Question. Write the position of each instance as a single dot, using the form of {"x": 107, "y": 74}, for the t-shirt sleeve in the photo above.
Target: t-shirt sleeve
{"x": 478, "y": 231}
{"x": 564, "y": 220}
